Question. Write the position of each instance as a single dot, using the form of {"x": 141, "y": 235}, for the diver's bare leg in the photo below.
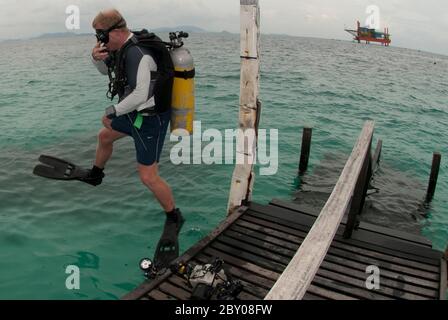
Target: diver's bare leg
{"x": 149, "y": 176}
{"x": 106, "y": 139}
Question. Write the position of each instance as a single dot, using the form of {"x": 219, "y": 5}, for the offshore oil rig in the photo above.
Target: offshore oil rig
{"x": 370, "y": 35}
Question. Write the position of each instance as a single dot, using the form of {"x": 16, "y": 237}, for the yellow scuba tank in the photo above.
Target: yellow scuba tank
{"x": 183, "y": 100}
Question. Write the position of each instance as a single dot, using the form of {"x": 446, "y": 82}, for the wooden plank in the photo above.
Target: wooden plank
{"x": 311, "y": 297}
{"x": 305, "y": 209}
{"x": 380, "y": 244}
{"x": 190, "y": 253}
{"x": 249, "y": 113}
{"x": 365, "y": 226}
{"x": 386, "y": 266}
{"x": 250, "y": 253}
{"x": 443, "y": 279}
{"x": 259, "y": 241}
{"x": 345, "y": 288}
{"x": 331, "y": 295}
{"x": 244, "y": 295}
{"x": 271, "y": 247}
{"x": 179, "y": 282}
{"x": 259, "y": 248}
{"x": 159, "y": 295}
{"x": 267, "y": 235}
{"x": 382, "y": 293}
{"x": 258, "y": 260}
{"x": 253, "y": 268}
{"x": 362, "y": 235}
{"x": 243, "y": 264}
{"x": 269, "y": 222}
{"x": 175, "y": 291}
{"x": 362, "y": 226}
{"x": 292, "y": 242}
{"x": 384, "y": 273}
{"x": 397, "y": 285}
{"x": 247, "y": 247}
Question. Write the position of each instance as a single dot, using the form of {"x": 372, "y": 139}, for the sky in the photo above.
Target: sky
{"x": 413, "y": 24}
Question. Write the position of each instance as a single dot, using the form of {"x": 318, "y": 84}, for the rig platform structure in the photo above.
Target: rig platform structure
{"x": 370, "y": 35}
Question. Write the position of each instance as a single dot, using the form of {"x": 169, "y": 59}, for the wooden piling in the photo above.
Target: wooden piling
{"x": 359, "y": 196}
{"x": 305, "y": 152}
{"x": 249, "y": 115}
{"x": 377, "y": 156}
{"x": 433, "y": 177}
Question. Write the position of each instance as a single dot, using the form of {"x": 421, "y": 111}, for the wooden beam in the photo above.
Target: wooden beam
{"x": 359, "y": 196}
{"x": 298, "y": 275}
{"x": 443, "y": 279}
{"x": 249, "y": 115}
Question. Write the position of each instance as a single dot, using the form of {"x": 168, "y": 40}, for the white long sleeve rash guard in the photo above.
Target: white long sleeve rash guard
{"x": 139, "y": 90}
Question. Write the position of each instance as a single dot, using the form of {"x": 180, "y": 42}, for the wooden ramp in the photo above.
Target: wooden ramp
{"x": 258, "y": 242}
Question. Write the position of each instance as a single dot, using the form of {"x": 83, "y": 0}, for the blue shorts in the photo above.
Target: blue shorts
{"x": 149, "y": 138}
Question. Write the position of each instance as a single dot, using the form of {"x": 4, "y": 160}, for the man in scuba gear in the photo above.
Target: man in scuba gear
{"x": 142, "y": 112}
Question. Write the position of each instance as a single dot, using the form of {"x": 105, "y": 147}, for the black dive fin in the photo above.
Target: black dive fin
{"x": 166, "y": 252}
{"x": 168, "y": 248}
{"x": 58, "y": 169}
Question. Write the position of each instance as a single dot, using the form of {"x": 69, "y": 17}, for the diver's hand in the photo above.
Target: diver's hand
{"x": 100, "y": 53}
{"x": 107, "y": 123}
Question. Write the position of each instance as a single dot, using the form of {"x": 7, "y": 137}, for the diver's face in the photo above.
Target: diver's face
{"x": 113, "y": 41}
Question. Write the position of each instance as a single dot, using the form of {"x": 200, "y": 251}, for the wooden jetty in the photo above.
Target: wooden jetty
{"x": 287, "y": 251}
{"x": 284, "y": 250}
{"x": 258, "y": 242}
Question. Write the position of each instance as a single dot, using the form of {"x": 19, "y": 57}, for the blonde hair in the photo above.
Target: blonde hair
{"x": 108, "y": 18}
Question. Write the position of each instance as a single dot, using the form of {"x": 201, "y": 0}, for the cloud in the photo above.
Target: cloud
{"x": 412, "y": 22}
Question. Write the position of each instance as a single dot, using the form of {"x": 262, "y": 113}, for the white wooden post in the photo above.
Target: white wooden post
{"x": 243, "y": 175}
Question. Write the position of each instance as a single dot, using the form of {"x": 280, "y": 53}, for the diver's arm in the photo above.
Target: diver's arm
{"x": 100, "y": 55}
{"x": 139, "y": 94}
{"x": 100, "y": 65}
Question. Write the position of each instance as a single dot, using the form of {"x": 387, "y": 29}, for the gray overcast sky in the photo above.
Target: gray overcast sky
{"x": 413, "y": 23}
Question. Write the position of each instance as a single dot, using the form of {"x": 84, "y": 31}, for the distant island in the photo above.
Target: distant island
{"x": 190, "y": 29}
{"x": 60, "y": 35}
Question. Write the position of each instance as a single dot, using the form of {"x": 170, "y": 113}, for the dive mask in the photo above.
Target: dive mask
{"x": 103, "y": 35}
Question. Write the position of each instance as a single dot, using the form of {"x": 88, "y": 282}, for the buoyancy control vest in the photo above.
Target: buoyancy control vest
{"x": 163, "y": 87}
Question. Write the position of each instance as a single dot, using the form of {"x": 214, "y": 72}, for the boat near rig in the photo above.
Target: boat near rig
{"x": 370, "y": 35}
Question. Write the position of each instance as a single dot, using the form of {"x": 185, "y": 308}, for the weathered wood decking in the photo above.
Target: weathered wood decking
{"x": 258, "y": 242}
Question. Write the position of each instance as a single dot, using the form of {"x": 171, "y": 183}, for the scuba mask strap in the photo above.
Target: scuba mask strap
{"x": 116, "y": 26}
{"x": 103, "y": 35}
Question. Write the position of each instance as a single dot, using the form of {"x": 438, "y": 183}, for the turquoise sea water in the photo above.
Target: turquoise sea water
{"x": 52, "y": 99}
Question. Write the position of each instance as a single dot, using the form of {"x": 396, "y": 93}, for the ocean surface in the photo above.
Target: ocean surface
{"x": 52, "y": 100}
